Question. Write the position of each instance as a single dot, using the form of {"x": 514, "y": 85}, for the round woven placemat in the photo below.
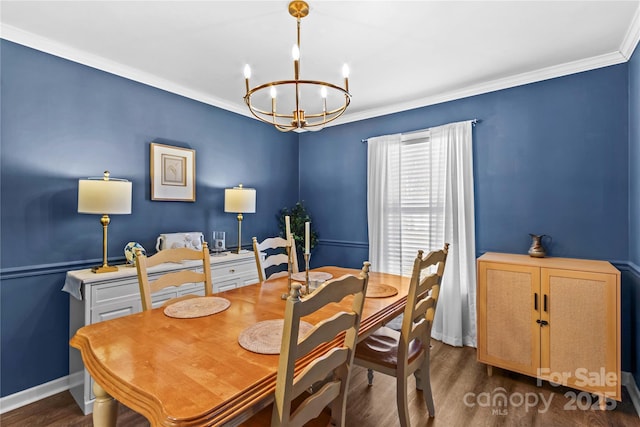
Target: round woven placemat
{"x": 196, "y": 307}
{"x": 380, "y": 291}
{"x": 266, "y": 337}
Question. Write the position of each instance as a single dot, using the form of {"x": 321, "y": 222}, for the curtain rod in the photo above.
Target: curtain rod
{"x": 473, "y": 123}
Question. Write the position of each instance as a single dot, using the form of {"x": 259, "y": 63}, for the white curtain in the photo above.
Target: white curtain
{"x": 419, "y": 196}
{"x": 383, "y": 200}
{"x": 455, "y": 320}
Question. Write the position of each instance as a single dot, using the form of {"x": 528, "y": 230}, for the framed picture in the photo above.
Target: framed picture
{"x": 173, "y": 173}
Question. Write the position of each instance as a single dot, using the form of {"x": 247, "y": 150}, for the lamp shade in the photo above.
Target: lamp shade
{"x": 240, "y": 200}
{"x": 104, "y": 196}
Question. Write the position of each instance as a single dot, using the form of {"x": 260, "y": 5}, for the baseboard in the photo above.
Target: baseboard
{"x": 630, "y": 383}
{"x": 33, "y": 394}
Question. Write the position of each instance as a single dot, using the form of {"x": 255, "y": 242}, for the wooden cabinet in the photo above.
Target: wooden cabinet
{"x": 556, "y": 319}
{"x": 106, "y": 296}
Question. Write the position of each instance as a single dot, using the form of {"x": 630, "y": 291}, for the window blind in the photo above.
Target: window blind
{"x": 418, "y": 223}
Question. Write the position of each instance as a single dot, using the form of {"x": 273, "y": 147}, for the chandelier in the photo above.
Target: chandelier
{"x": 312, "y": 103}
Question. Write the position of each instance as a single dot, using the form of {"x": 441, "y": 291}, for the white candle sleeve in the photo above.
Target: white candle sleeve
{"x": 287, "y": 224}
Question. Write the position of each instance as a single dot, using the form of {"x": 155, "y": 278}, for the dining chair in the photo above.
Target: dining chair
{"x": 268, "y": 246}
{"x": 405, "y": 352}
{"x": 302, "y": 396}
{"x": 176, "y": 278}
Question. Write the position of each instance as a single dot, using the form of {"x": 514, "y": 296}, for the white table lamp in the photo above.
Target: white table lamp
{"x": 240, "y": 200}
{"x": 104, "y": 196}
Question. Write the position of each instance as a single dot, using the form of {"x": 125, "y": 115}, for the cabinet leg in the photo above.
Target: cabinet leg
{"x": 489, "y": 370}
{"x": 105, "y": 408}
{"x": 602, "y": 400}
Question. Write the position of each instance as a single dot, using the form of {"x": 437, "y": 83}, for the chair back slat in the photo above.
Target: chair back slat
{"x": 176, "y": 278}
{"x": 272, "y": 243}
{"x": 274, "y": 260}
{"x": 176, "y": 255}
{"x": 311, "y": 408}
{"x": 428, "y": 283}
{"x": 421, "y": 327}
{"x": 335, "y": 363}
{"x": 328, "y": 293}
{"x": 325, "y": 331}
{"x": 267, "y": 246}
{"x": 317, "y": 370}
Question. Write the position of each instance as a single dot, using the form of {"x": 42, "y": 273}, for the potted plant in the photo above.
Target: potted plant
{"x": 298, "y": 215}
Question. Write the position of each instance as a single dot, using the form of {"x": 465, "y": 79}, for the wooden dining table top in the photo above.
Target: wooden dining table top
{"x": 188, "y": 372}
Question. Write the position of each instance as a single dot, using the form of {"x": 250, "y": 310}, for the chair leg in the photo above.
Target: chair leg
{"x": 401, "y": 397}
{"x": 370, "y": 376}
{"x": 423, "y": 382}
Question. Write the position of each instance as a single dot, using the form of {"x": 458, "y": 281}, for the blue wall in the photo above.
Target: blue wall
{"x": 62, "y": 121}
{"x": 549, "y": 158}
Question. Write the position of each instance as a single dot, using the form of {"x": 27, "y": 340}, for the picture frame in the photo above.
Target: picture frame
{"x": 173, "y": 173}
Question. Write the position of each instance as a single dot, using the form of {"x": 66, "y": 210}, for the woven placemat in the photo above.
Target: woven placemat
{"x": 380, "y": 291}
{"x": 196, "y": 307}
{"x": 266, "y": 337}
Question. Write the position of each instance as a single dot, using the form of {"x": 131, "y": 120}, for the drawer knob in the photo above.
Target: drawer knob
{"x": 232, "y": 270}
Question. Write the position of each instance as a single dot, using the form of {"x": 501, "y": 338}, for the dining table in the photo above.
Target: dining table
{"x": 193, "y": 371}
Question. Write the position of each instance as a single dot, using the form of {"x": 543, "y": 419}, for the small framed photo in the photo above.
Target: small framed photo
{"x": 173, "y": 173}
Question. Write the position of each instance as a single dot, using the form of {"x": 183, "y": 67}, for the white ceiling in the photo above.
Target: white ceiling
{"x": 402, "y": 54}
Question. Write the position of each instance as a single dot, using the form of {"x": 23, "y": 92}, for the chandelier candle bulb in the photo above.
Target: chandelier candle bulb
{"x": 247, "y": 76}
{"x": 345, "y": 74}
{"x": 323, "y": 94}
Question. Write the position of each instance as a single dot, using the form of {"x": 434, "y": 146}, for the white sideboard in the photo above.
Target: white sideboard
{"x": 106, "y": 296}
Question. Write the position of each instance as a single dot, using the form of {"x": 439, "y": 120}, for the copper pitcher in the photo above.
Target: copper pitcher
{"x": 537, "y": 250}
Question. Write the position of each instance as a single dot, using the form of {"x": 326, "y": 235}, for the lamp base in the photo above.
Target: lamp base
{"x": 104, "y": 269}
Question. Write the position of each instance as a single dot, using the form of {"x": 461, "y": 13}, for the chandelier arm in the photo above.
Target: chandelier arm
{"x": 328, "y": 113}
{"x": 333, "y": 114}
{"x": 258, "y": 111}
{"x": 311, "y": 125}
{"x": 293, "y": 82}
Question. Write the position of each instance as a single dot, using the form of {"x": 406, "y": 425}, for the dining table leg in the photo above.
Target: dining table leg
{"x": 105, "y": 408}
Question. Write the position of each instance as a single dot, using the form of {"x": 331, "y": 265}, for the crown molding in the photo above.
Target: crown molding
{"x": 43, "y": 44}
{"x": 632, "y": 37}
{"x": 565, "y": 69}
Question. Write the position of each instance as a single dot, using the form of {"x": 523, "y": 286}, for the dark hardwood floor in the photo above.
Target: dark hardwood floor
{"x": 463, "y": 394}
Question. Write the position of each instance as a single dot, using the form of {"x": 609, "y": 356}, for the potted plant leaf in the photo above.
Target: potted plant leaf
{"x": 298, "y": 215}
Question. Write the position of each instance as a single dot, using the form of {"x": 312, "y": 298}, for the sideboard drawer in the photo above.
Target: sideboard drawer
{"x": 108, "y": 293}
{"x": 112, "y": 311}
{"x": 221, "y": 272}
